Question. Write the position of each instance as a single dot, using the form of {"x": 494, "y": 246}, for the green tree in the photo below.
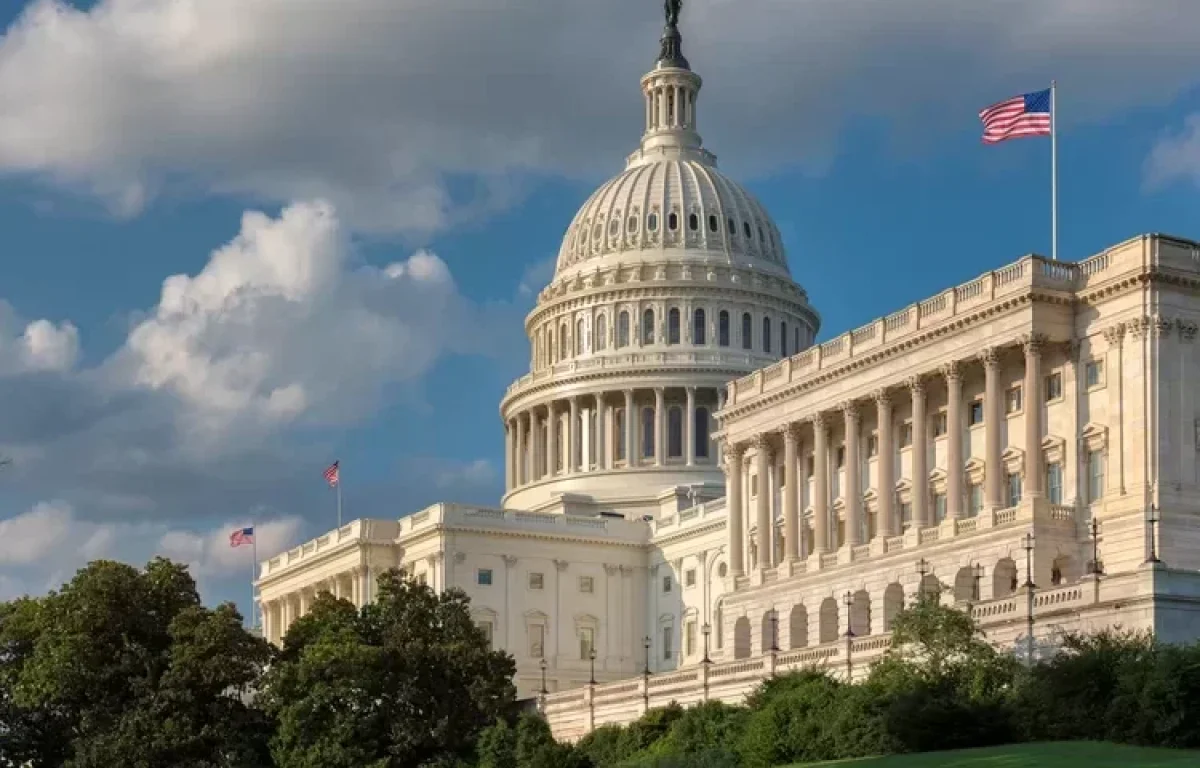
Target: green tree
{"x": 409, "y": 680}
{"x": 125, "y": 667}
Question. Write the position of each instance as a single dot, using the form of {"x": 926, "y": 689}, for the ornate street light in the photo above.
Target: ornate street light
{"x": 542, "y": 665}
{"x": 592, "y": 658}
{"x": 705, "y": 630}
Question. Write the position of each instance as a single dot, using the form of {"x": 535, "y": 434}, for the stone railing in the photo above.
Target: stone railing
{"x": 1031, "y": 272}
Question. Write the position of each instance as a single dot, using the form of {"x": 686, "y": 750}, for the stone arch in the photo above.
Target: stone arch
{"x": 893, "y": 603}
{"x": 798, "y": 626}
{"x": 769, "y": 634}
{"x": 1004, "y": 578}
{"x": 964, "y": 584}
{"x": 828, "y": 626}
{"x": 930, "y": 588}
{"x": 1064, "y": 570}
{"x": 860, "y": 613}
{"x": 741, "y": 638}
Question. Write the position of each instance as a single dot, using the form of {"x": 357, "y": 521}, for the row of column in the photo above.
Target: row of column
{"x": 821, "y": 422}
{"x": 531, "y": 441}
{"x": 279, "y": 614}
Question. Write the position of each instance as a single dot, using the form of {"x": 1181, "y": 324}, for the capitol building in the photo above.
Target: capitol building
{"x": 700, "y": 496}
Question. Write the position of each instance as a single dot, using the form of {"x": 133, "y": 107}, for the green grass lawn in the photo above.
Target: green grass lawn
{"x": 1081, "y": 754}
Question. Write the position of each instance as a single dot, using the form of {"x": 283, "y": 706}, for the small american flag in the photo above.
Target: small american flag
{"x": 331, "y": 474}
{"x": 1027, "y": 115}
{"x": 241, "y": 536}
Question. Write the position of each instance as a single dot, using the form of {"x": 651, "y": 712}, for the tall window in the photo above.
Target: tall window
{"x": 701, "y": 433}
{"x": 723, "y": 328}
{"x": 648, "y": 433}
{"x": 783, "y": 339}
{"x": 796, "y": 346}
{"x": 689, "y": 638}
{"x": 939, "y": 507}
{"x": 648, "y": 327}
{"x": 673, "y": 326}
{"x": 1095, "y": 467}
{"x": 699, "y": 330}
{"x": 1053, "y": 387}
{"x": 579, "y": 337}
{"x": 905, "y": 515}
{"x": 1014, "y": 489}
{"x": 619, "y": 433}
{"x": 537, "y": 640}
{"x": 747, "y": 331}
{"x": 550, "y": 345}
{"x": 587, "y": 641}
{"x": 674, "y": 432}
{"x": 976, "y": 499}
{"x": 600, "y": 339}
{"x": 563, "y": 349}
{"x": 622, "y": 330}
{"x": 1054, "y": 482}
{"x": 668, "y": 637}
{"x": 767, "y": 335}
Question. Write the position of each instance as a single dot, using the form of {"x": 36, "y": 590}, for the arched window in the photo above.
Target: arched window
{"x": 747, "y": 331}
{"x": 767, "y": 335}
{"x": 746, "y": 229}
{"x": 579, "y": 337}
{"x": 622, "y": 329}
{"x": 652, "y": 222}
{"x": 732, "y": 226}
{"x": 796, "y": 346}
{"x": 712, "y": 223}
{"x": 648, "y": 433}
{"x": 648, "y": 327}
{"x": 672, "y": 221}
{"x": 701, "y": 433}
{"x": 550, "y": 345}
{"x": 563, "y": 349}
{"x": 783, "y": 339}
{"x": 723, "y": 328}
{"x": 600, "y": 340}
{"x": 618, "y": 437}
{"x": 674, "y": 432}
{"x": 673, "y": 325}
{"x": 699, "y": 335}
{"x": 693, "y": 222}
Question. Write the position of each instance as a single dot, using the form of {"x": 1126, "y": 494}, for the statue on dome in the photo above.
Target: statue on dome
{"x": 672, "y": 8}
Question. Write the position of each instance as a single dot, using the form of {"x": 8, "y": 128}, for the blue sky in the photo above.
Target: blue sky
{"x": 415, "y": 166}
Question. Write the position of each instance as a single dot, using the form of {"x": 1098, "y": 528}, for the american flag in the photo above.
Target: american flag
{"x": 331, "y": 474}
{"x": 241, "y": 536}
{"x": 1027, "y": 115}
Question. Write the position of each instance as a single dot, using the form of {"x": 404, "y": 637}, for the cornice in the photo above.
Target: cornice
{"x": 675, "y": 537}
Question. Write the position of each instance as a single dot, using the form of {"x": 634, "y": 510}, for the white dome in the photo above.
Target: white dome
{"x": 671, "y": 201}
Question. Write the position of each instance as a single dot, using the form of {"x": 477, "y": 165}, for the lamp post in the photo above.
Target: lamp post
{"x": 1095, "y": 567}
{"x": 774, "y": 631}
{"x": 592, "y": 659}
{"x": 1027, "y": 545}
{"x": 646, "y": 676}
{"x": 1153, "y": 520}
{"x": 705, "y": 630}
{"x": 848, "y": 599}
{"x": 977, "y": 574}
{"x": 923, "y": 571}
{"x": 543, "y": 692}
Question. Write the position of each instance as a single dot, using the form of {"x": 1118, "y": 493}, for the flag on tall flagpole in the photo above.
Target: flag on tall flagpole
{"x": 1030, "y": 114}
{"x": 240, "y": 538}
{"x": 333, "y": 476}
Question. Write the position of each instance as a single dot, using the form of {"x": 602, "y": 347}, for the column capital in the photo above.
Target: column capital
{"x": 1187, "y": 330}
{"x": 849, "y": 410}
{"x": 1162, "y": 326}
{"x": 990, "y": 357}
{"x": 791, "y": 434}
{"x": 691, "y": 390}
{"x": 660, "y": 391}
{"x": 1139, "y": 326}
{"x": 732, "y": 451}
{"x": 762, "y": 442}
{"x": 1114, "y": 333}
{"x": 916, "y": 385}
{"x": 561, "y": 565}
{"x": 509, "y": 560}
{"x": 882, "y": 398}
{"x": 951, "y": 371}
{"x": 818, "y": 421}
{"x": 1033, "y": 343}
{"x": 1073, "y": 349}
{"x": 610, "y": 569}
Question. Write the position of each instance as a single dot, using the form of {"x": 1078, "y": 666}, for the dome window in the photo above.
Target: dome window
{"x": 652, "y": 222}
{"x": 732, "y": 226}
{"x": 673, "y": 326}
{"x": 633, "y": 223}
{"x": 712, "y": 223}
{"x": 746, "y": 229}
{"x": 672, "y": 221}
{"x": 613, "y": 227}
{"x": 693, "y": 222}
{"x": 760, "y": 235}
{"x": 597, "y": 231}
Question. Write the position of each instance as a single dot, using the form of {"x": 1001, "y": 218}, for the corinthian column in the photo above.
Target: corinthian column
{"x": 522, "y": 452}
{"x": 820, "y": 485}
{"x": 791, "y": 495}
{"x": 574, "y": 438}
{"x": 689, "y": 427}
{"x": 630, "y": 430}
{"x": 660, "y": 417}
{"x": 553, "y": 451}
{"x": 733, "y": 507}
{"x": 954, "y": 448}
{"x": 762, "y": 501}
{"x": 920, "y": 454}
{"x": 853, "y": 492}
{"x": 885, "y": 484}
{"x": 1033, "y": 344}
{"x": 993, "y": 423}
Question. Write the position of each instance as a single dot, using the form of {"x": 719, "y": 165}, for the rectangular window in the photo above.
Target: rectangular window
{"x": 422, "y": 578}
{"x": 1095, "y": 466}
{"x": 939, "y": 424}
{"x": 537, "y": 640}
{"x": 975, "y": 494}
{"x": 587, "y": 642}
{"x": 689, "y": 638}
{"x": 689, "y": 577}
{"x": 872, "y": 446}
{"x": 483, "y": 577}
{"x": 1054, "y": 482}
{"x": 939, "y": 507}
{"x": 618, "y": 438}
{"x": 586, "y": 584}
{"x": 668, "y": 636}
{"x": 841, "y": 456}
{"x": 753, "y": 485}
{"x": 808, "y": 468}
{"x": 1053, "y": 387}
{"x": 536, "y": 581}
{"x": 1012, "y": 400}
{"x": 906, "y": 434}
{"x": 1014, "y": 489}
{"x": 666, "y": 583}
{"x": 905, "y": 515}
{"x": 975, "y": 413}
{"x": 1093, "y": 373}
{"x": 486, "y": 628}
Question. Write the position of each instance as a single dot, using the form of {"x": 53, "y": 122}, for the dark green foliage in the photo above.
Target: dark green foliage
{"x": 793, "y": 722}
{"x": 536, "y": 747}
{"x": 409, "y": 680}
{"x": 497, "y": 746}
{"x": 604, "y": 746}
{"x": 642, "y": 733}
{"x": 125, "y": 667}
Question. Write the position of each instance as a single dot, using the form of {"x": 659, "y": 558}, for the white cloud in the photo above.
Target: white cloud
{"x": 411, "y": 115}
{"x": 1176, "y": 157}
{"x": 40, "y": 346}
{"x": 29, "y": 537}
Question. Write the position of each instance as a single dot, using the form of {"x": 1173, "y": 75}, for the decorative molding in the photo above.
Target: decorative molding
{"x": 1094, "y": 437}
{"x": 882, "y": 398}
{"x": 1114, "y": 333}
{"x": 990, "y": 357}
{"x": 951, "y": 371}
{"x": 561, "y": 565}
{"x": 1054, "y": 449}
{"x": 849, "y": 410}
{"x": 460, "y": 557}
{"x": 510, "y": 560}
{"x": 611, "y": 569}
{"x": 1033, "y": 343}
{"x": 1162, "y": 326}
{"x": 916, "y": 385}
{"x": 1187, "y": 330}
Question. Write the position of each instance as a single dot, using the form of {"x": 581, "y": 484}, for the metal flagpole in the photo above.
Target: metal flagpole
{"x": 1053, "y": 172}
{"x": 253, "y": 568}
{"x": 338, "y": 486}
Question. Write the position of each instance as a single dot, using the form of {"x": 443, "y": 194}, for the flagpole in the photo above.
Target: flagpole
{"x": 339, "y": 495}
{"x": 253, "y": 568}
{"x": 1053, "y": 172}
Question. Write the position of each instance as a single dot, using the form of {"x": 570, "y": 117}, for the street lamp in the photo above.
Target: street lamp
{"x": 1153, "y": 520}
{"x": 646, "y": 645}
{"x": 705, "y": 630}
{"x": 542, "y": 665}
{"x": 592, "y": 658}
{"x": 774, "y": 631}
{"x": 1095, "y": 568}
{"x": 977, "y": 572}
{"x": 646, "y": 676}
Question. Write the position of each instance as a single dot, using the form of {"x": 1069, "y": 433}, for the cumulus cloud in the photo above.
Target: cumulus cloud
{"x": 41, "y": 346}
{"x": 412, "y": 116}
{"x": 1176, "y": 157}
